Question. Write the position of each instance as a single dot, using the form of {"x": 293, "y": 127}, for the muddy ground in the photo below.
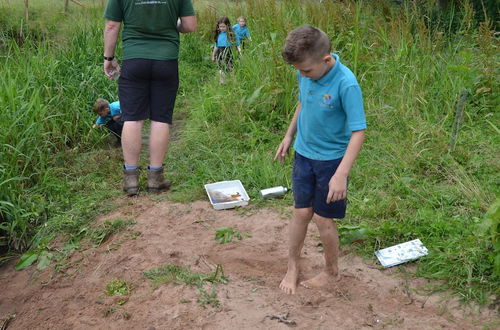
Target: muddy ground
{"x": 367, "y": 297}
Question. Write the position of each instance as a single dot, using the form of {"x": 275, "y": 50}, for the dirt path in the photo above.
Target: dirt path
{"x": 183, "y": 234}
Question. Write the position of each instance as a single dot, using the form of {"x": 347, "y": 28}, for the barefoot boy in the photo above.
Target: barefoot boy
{"x": 329, "y": 121}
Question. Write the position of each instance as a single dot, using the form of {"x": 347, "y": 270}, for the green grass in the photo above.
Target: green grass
{"x": 183, "y": 275}
{"x": 409, "y": 181}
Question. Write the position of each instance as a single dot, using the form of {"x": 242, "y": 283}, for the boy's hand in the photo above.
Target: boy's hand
{"x": 337, "y": 188}
{"x": 96, "y": 126}
{"x": 282, "y": 151}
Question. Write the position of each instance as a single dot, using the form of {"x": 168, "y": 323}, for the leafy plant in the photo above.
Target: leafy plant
{"x": 490, "y": 228}
{"x": 352, "y": 233}
{"x": 226, "y": 235}
{"x": 208, "y": 298}
{"x": 118, "y": 287}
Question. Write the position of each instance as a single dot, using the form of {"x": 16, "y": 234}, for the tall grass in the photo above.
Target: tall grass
{"x": 407, "y": 182}
{"x": 45, "y": 93}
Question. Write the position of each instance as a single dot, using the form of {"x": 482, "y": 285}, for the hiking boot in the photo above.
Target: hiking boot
{"x": 156, "y": 181}
{"x": 131, "y": 181}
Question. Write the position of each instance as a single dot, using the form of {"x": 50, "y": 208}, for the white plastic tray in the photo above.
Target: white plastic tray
{"x": 401, "y": 253}
{"x": 227, "y": 194}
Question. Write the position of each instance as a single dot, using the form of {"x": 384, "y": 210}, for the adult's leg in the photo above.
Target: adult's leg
{"x": 133, "y": 92}
{"x": 330, "y": 238}
{"x": 131, "y": 141}
{"x": 164, "y": 85}
{"x": 158, "y": 142}
{"x": 297, "y": 230}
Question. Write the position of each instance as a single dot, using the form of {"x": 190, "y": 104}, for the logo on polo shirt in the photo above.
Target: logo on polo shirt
{"x": 327, "y": 99}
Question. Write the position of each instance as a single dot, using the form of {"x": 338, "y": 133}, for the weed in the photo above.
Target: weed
{"x": 117, "y": 310}
{"x": 226, "y": 235}
{"x": 208, "y": 298}
{"x": 183, "y": 275}
{"x": 118, "y": 287}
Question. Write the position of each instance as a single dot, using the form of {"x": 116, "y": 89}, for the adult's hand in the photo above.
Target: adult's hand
{"x": 111, "y": 69}
{"x": 187, "y": 24}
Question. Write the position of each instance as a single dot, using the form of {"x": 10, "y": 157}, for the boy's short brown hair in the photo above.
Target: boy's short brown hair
{"x": 100, "y": 104}
{"x": 306, "y": 42}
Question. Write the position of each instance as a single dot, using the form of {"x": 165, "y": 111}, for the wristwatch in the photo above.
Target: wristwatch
{"x": 109, "y": 58}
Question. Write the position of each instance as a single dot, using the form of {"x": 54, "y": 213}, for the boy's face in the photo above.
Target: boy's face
{"x": 242, "y": 22}
{"x": 222, "y": 27}
{"x": 104, "y": 112}
{"x": 315, "y": 69}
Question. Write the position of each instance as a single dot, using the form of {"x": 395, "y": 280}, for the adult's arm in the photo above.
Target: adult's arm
{"x": 285, "y": 144}
{"x": 111, "y": 32}
{"x": 187, "y": 24}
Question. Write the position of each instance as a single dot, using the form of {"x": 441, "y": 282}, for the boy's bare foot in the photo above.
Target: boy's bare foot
{"x": 289, "y": 282}
{"x": 320, "y": 280}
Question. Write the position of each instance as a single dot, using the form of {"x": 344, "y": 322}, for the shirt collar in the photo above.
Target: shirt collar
{"x": 327, "y": 78}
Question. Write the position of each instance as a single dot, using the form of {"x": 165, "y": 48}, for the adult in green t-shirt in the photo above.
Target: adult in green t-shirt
{"x": 149, "y": 79}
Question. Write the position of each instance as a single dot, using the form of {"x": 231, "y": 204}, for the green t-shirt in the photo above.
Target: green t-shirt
{"x": 149, "y": 26}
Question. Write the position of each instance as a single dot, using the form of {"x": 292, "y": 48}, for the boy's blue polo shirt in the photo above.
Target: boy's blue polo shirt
{"x": 241, "y": 33}
{"x": 332, "y": 108}
{"x": 114, "y": 110}
{"x": 222, "y": 40}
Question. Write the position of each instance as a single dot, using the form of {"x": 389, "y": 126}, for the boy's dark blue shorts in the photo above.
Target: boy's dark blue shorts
{"x": 310, "y": 186}
{"x": 147, "y": 89}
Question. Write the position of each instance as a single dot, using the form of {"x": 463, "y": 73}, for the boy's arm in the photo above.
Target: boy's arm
{"x": 115, "y": 118}
{"x": 337, "y": 187}
{"x": 99, "y": 122}
{"x": 290, "y": 133}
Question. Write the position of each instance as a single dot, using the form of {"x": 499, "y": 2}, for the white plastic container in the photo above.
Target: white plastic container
{"x": 227, "y": 194}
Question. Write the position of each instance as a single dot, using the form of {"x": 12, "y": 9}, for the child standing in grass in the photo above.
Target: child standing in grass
{"x": 224, "y": 40}
{"x": 241, "y": 32}
{"x": 109, "y": 115}
{"x": 330, "y": 124}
